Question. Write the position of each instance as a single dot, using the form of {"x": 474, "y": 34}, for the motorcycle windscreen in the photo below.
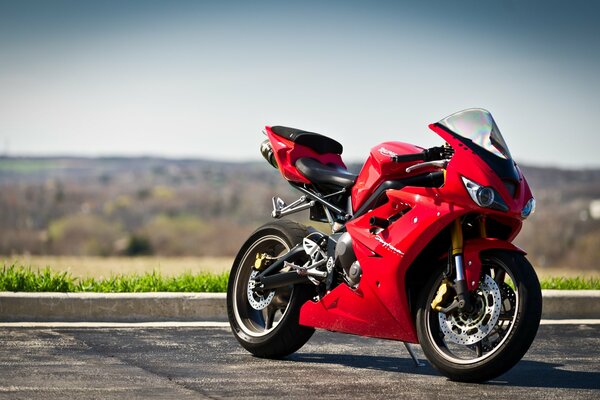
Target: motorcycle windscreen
{"x": 476, "y": 128}
{"x": 478, "y": 125}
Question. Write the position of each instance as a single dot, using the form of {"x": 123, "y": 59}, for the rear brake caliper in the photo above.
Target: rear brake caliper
{"x": 263, "y": 260}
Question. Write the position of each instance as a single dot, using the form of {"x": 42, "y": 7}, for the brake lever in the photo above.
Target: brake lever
{"x": 438, "y": 164}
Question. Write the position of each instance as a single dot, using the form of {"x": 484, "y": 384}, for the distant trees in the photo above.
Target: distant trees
{"x": 138, "y": 245}
{"x": 84, "y": 234}
{"x": 131, "y": 206}
{"x": 148, "y": 206}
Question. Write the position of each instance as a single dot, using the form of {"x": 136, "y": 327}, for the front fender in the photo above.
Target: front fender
{"x": 472, "y": 257}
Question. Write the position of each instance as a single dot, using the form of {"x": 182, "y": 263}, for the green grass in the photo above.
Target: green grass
{"x": 22, "y": 279}
{"x": 27, "y": 165}
{"x": 16, "y": 278}
{"x": 576, "y": 283}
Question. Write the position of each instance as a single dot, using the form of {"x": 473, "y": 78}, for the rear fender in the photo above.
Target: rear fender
{"x": 472, "y": 250}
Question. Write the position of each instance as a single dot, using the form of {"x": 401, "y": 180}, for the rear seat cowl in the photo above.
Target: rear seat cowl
{"x": 319, "y": 143}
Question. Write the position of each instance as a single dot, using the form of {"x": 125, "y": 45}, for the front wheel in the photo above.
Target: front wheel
{"x": 490, "y": 340}
{"x": 266, "y": 323}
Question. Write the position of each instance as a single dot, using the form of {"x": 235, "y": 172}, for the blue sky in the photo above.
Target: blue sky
{"x": 202, "y": 78}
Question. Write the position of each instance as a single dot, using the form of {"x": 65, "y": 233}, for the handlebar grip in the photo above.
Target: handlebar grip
{"x": 408, "y": 157}
{"x": 430, "y": 179}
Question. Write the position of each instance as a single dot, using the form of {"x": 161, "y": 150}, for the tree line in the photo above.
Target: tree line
{"x": 152, "y": 206}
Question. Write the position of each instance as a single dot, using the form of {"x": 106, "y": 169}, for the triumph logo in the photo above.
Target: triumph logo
{"x": 387, "y": 152}
{"x": 388, "y": 245}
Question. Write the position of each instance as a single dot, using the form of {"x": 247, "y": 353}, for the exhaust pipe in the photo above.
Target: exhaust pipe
{"x": 267, "y": 152}
{"x": 280, "y": 280}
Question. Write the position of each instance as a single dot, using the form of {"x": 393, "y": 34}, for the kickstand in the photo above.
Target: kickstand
{"x": 413, "y": 355}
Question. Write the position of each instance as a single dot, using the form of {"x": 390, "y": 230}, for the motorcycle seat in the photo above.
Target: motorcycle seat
{"x": 317, "y": 142}
{"x": 325, "y": 174}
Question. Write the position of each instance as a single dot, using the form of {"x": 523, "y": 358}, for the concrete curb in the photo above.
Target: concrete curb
{"x": 563, "y": 304}
{"x": 112, "y": 307}
{"x": 147, "y": 307}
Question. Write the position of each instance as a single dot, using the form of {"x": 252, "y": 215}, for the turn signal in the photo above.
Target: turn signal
{"x": 529, "y": 208}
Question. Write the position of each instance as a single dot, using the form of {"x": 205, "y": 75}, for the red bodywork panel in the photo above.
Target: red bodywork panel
{"x": 287, "y": 152}
{"x": 379, "y": 167}
{"x": 472, "y": 256}
{"x": 385, "y": 258}
{"x": 379, "y": 306}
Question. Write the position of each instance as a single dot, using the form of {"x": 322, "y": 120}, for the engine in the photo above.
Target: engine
{"x": 346, "y": 259}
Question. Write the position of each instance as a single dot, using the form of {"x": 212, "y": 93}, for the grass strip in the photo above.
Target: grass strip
{"x": 577, "y": 283}
{"x": 23, "y": 279}
{"x": 16, "y": 278}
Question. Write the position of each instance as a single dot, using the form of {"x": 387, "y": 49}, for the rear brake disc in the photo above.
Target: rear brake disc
{"x": 257, "y": 301}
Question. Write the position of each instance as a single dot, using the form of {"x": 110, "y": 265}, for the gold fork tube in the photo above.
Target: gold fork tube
{"x": 457, "y": 237}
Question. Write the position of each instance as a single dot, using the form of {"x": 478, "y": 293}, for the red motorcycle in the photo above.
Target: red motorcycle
{"x": 420, "y": 250}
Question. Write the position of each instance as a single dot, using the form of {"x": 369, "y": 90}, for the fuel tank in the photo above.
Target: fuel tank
{"x": 379, "y": 168}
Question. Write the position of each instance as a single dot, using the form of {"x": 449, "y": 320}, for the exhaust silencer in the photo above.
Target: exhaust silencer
{"x": 267, "y": 152}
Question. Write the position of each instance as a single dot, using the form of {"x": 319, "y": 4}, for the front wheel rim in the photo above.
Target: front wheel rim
{"x": 490, "y": 344}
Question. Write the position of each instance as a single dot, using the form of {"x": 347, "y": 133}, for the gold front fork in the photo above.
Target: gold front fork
{"x": 460, "y": 284}
{"x": 482, "y": 228}
{"x": 457, "y": 234}
{"x": 462, "y": 301}
{"x": 457, "y": 237}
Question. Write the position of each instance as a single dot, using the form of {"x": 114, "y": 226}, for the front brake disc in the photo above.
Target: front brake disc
{"x": 469, "y": 329}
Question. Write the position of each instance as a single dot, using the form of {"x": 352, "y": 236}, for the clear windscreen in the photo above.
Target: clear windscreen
{"x": 477, "y": 125}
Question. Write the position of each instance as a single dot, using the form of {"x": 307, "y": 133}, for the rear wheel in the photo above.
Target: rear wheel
{"x": 487, "y": 342}
{"x": 266, "y": 323}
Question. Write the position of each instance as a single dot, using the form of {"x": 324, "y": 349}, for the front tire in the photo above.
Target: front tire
{"x": 267, "y": 324}
{"x": 487, "y": 343}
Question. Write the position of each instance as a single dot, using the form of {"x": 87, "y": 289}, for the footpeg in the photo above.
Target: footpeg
{"x": 310, "y": 270}
{"x": 278, "y": 206}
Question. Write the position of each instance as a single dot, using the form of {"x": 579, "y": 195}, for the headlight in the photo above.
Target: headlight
{"x": 529, "y": 208}
{"x": 484, "y": 196}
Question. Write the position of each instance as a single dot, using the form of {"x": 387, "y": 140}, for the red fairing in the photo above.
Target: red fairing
{"x": 465, "y": 163}
{"x": 379, "y": 167}
{"x": 379, "y": 306}
{"x": 287, "y": 152}
{"x": 385, "y": 259}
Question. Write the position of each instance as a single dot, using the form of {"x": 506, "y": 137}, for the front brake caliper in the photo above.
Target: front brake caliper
{"x": 442, "y": 296}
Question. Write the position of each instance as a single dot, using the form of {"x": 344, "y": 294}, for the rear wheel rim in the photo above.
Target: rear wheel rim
{"x": 253, "y": 322}
{"x": 490, "y": 344}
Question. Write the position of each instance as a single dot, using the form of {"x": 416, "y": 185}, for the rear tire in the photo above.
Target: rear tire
{"x": 514, "y": 327}
{"x": 273, "y": 331}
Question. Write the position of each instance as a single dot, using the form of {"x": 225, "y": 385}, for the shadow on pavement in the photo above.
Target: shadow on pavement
{"x": 538, "y": 374}
{"x": 525, "y": 374}
{"x": 380, "y": 363}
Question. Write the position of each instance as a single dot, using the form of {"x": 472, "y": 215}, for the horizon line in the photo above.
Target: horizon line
{"x": 235, "y": 161}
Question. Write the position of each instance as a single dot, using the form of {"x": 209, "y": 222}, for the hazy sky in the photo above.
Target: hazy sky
{"x": 202, "y": 78}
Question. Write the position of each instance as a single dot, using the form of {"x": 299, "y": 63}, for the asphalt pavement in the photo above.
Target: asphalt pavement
{"x": 206, "y": 362}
